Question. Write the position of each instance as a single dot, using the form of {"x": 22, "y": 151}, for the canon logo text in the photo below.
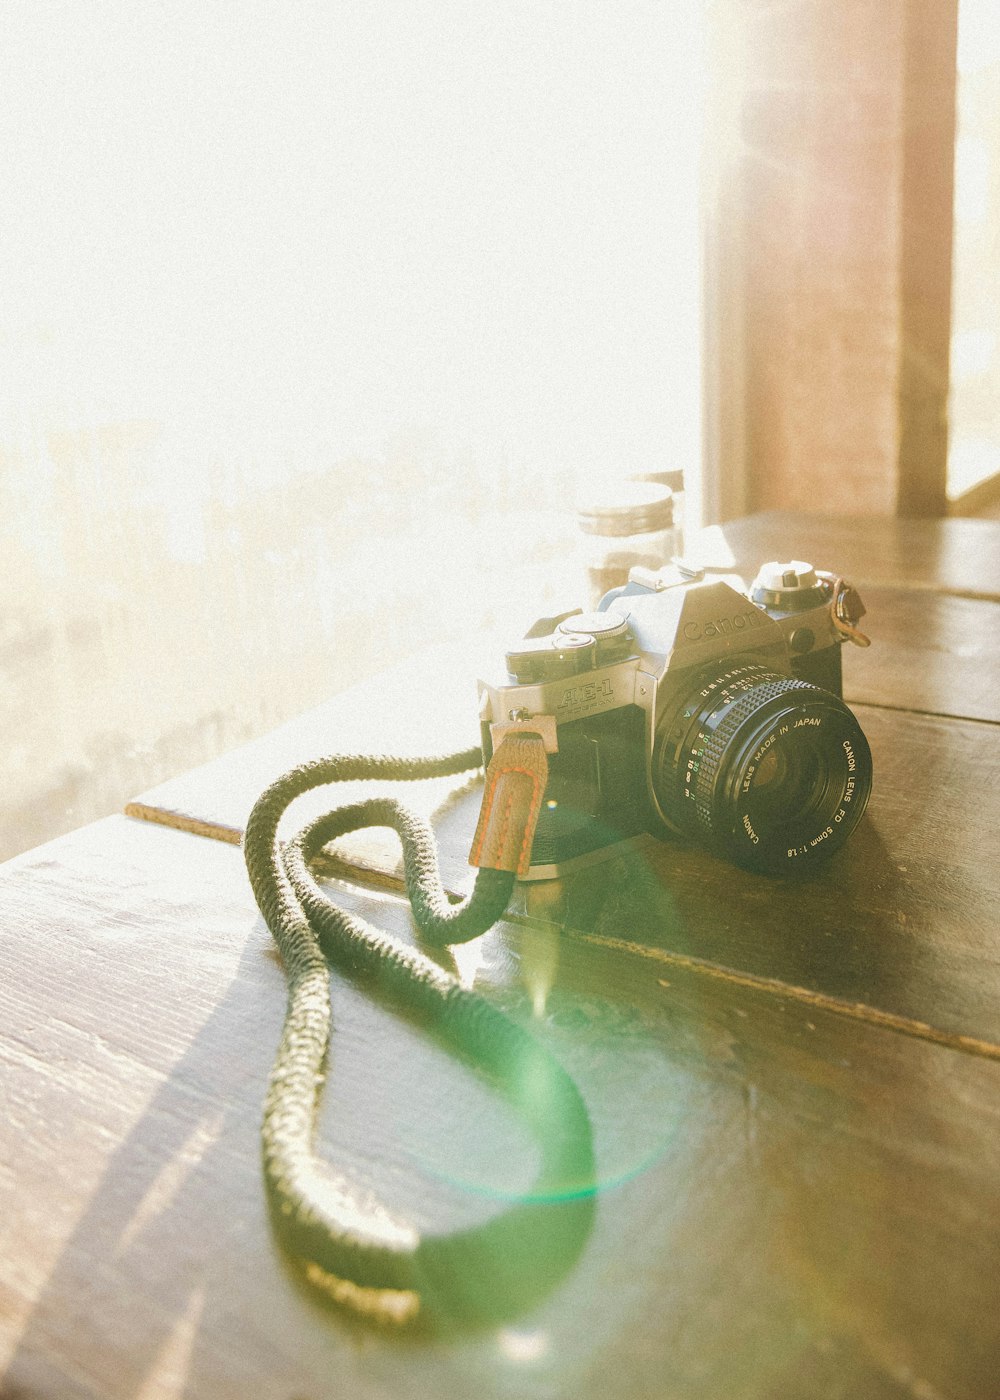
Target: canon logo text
{"x": 722, "y": 626}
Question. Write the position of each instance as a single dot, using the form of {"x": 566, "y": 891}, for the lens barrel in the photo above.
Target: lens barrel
{"x": 772, "y": 773}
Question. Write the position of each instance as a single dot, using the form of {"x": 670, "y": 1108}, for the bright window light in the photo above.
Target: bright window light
{"x": 314, "y": 318}
{"x": 974, "y": 408}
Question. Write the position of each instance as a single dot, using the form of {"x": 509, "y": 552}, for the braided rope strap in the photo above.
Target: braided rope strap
{"x": 324, "y": 1220}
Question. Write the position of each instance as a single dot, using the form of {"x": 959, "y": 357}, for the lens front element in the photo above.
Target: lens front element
{"x": 771, "y": 772}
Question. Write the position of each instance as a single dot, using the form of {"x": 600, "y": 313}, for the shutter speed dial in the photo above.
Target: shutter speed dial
{"x": 579, "y": 643}
{"x": 610, "y": 632}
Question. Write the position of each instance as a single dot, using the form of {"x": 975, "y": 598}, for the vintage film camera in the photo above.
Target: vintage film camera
{"x": 683, "y": 705}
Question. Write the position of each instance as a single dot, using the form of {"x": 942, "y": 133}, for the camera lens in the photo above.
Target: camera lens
{"x": 771, "y": 772}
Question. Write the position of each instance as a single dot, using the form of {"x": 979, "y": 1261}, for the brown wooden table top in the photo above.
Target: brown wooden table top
{"x": 794, "y": 1089}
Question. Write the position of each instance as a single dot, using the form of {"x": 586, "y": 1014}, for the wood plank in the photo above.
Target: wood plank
{"x": 934, "y": 650}
{"x": 425, "y": 705}
{"x": 903, "y": 919}
{"x": 899, "y": 924}
{"x": 953, "y": 556}
{"x": 141, "y": 1005}
{"x": 934, "y": 653}
{"x": 930, "y": 653}
{"x": 809, "y": 1204}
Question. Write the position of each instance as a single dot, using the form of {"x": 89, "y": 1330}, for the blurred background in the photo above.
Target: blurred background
{"x": 314, "y": 318}
{"x": 317, "y": 320}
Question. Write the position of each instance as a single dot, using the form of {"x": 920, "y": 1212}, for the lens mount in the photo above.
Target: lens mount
{"x": 771, "y": 772}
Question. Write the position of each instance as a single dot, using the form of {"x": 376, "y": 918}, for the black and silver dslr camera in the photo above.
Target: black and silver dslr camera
{"x": 684, "y": 705}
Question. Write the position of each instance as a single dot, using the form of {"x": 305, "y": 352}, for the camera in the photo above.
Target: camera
{"x": 686, "y": 706}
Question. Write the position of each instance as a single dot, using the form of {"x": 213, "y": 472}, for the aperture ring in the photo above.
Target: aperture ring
{"x": 770, "y": 687}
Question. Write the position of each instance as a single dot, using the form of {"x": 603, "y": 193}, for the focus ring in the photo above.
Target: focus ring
{"x": 770, "y": 687}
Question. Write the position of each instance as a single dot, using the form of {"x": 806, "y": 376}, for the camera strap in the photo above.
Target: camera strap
{"x": 512, "y": 800}
{"x": 327, "y": 1222}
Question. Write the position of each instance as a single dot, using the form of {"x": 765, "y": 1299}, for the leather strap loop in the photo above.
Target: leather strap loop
{"x": 512, "y": 800}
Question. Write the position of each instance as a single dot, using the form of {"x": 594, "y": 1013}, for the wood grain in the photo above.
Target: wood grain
{"x": 960, "y": 557}
{"x": 930, "y": 653}
{"x": 793, "y": 1087}
{"x": 933, "y": 653}
{"x": 931, "y": 590}
{"x": 794, "y": 1204}
{"x": 418, "y": 707}
{"x": 902, "y": 921}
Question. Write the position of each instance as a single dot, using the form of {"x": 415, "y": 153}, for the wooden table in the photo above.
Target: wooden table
{"x": 794, "y": 1090}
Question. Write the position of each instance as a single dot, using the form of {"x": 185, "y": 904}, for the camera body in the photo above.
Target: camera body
{"x": 685, "y": 706}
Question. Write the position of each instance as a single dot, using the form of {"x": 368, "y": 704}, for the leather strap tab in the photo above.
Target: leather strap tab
{"x": 515, "y": 783}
